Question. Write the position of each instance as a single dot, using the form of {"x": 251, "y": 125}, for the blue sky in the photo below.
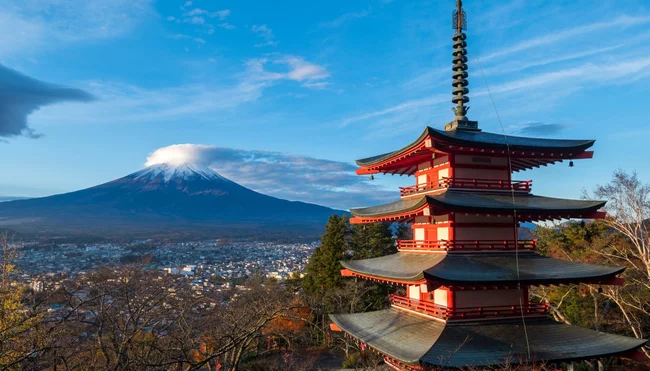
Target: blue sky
{"x": 284, "y": 95}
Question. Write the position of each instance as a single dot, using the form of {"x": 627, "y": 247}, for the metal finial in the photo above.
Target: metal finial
{"x": 459, "y": 17}
{"x": 460, "y": 90}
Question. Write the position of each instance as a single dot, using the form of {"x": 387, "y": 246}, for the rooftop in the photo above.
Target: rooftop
{"x": 487, "y": 202}
{"x": 480, "y": 268}
{"x": 414, "y": 340}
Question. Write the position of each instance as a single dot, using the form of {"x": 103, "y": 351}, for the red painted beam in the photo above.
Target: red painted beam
{"x": 335, "y": 327}
{"x": 583, "y": 155}
{"x": 346, "y": 273}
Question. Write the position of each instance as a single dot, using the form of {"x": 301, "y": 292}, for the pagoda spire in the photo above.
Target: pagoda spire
{"x": 460, "y": 90}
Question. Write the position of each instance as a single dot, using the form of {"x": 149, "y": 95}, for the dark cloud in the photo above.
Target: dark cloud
{"x": 292, "y": 177}
{"x": 541, "y": 128}
{"x": 21, "y": 95}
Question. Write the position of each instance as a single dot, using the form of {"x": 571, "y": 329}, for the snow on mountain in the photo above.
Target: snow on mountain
{"x": 185, "y": 171}
{"x": 168, "y": 197}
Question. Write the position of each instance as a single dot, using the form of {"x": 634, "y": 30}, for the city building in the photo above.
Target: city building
{"x": 466, "y": 274}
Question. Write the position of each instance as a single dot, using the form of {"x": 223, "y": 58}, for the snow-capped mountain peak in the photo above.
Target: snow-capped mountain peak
{"x": 183, "y": 171}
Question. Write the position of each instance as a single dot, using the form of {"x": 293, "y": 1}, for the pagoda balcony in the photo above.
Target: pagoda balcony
{"x": 466, "y": 245}
{"x": 468, "y": 183}
{"x": 442, "y": 312}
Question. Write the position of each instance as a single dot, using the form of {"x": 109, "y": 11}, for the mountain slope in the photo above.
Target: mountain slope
{"x": 166, "y": 198}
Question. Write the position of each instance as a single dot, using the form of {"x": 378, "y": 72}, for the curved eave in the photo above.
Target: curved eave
{"x": 503, "y": 202}
{"x": 375, "y": 160}
{"x": 399, "y": 268}
{"x": 508, "y": 268}
{"x": 528, "y": 207}
{"x": 480, "y": 269}
{"x": 416, "y": 340}
{"x": 406, "y": 338}
{"x": 397, "y": 210}
{"x": 481, "y": 139}
{"x": 538, "y": 151}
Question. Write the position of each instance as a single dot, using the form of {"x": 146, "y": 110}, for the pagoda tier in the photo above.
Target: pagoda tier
{"x": 525, "y": 153}
{"x": 479, "y": 269}
{"x": 527, "y": 207}
{"x": 410, "y": 340}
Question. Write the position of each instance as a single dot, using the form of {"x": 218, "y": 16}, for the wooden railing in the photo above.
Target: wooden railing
{"x": 422, "y": 306}
{"x": 442, "y": 312}
{"x": 483, "y": 245}
{"x": 486, "y": 184}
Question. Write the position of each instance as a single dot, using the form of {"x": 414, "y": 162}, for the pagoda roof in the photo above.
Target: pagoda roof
{"x": 418, "y": 340}
{"x": 480, "y": 142}
{"x": 488, "y": 268}
{"x": 488, "y": 202}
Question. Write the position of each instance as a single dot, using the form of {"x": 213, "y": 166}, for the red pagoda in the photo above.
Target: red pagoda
{"x": 466, "y": 273}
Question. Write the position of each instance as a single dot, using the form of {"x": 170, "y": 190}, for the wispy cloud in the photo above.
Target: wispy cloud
{"x": 539, "y": 128}
{"x": 125, "y": 103}
{"x": 621, "y": 21}
{"x": 181, "y": 36}
{"x": 21, "y": 95}
{"x": 320, "y": 181}
{"x": 347, "y": 17}
{"x": 35, "y": 25}
{"x": 264, "y": 32}
{"x": 408, "y": 105}
{"x": 521, "y": 66}
{"x": 226, "y": 25}
{"x": 203, "y": 17}
{"x": 199, "y": 13}
{"x": 549, "y": 83}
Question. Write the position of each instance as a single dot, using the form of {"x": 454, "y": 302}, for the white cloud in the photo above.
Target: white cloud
{"x": 296, "y": 69}
{"x": 195, "y": 20}
{"x": 302, "y": 70}
{"x": 124, "y": 103}
{"x": 221, "y": 14}
{"x": 326, "y": 182}
{"x": 264, "y": 32}
{"x": 338, "y": 22}
{"x": 316, "y": 85}
{"x": 38, "y": 24}
{"x": 551, "y": 38}
{"x": 545, "y": 84}
{"x": 181, "y": 36}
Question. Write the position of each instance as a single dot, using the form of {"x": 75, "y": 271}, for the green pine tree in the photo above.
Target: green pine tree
{"x": 324, "y": 270}
{"x": 372, "y": 240}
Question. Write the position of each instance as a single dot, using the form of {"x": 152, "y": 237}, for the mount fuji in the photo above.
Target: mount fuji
{"x": 166, "y": 199}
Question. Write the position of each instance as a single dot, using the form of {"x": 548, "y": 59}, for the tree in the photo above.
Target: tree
{"x": 371, "y": 240}
{"x": 22, "y": 334}
{"x": 324, "y": 270}
{"x": 628, "y": 207}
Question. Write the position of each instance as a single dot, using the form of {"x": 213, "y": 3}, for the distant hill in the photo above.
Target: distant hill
{"x": 167, "y": 199}
{"x": 11, "y": 198}
{"x": 525, "y": 231}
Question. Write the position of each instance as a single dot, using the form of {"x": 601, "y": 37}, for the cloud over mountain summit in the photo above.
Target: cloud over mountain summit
{"x": 294, "y": 177}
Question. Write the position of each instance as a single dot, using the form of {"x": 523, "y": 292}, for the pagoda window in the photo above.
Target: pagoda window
{"x": 420, "y": 234}
{"x": 422, "y": 180}
{"x": 440, "y": 296}
{"x": 414, "y": 292}
{"x": 443, "y": 174}
{"x": 443, "y": 234}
